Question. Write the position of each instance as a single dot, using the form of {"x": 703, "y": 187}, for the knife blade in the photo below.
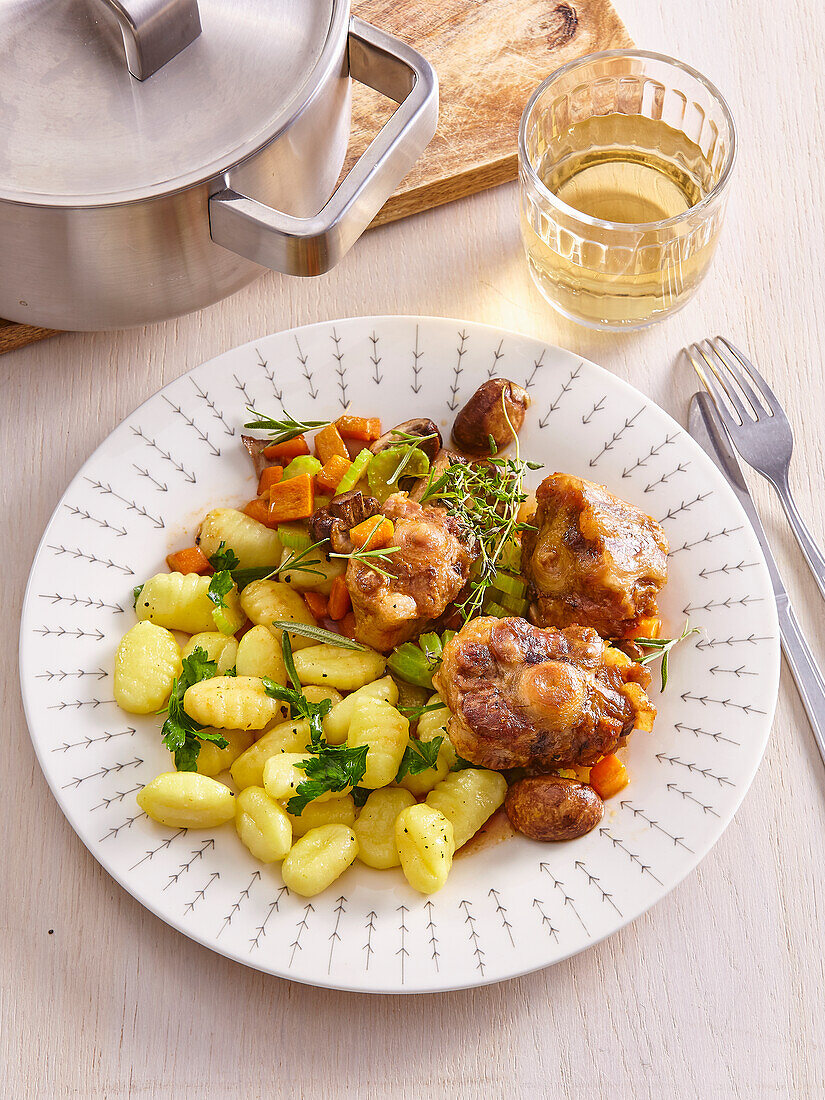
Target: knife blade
{"x": 706, "y": 427}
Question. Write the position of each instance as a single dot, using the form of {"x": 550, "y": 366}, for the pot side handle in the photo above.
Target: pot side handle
{"x": 311, "y": 246}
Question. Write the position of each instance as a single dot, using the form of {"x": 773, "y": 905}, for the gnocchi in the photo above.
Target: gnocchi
{"x": 425, "y": 842}
{"x": 232, "y": 702}
{"x": 218, "y": 648}
{"x": 467, "y": 798}
{"x": 146, "y": 663}
{"x": 178, "y": 601}
{"x": 316, "y": 860}
{"x": 423, "y": 782}
{"x": 337, "y": 811}
{"x": 287, "y": 737}
{"x": 344, "y": 669}
{"x": 187, "y": 800}
{"x": 386, "y": 733}
{"x": 212, "y": 760}
{"x": 282, "y": 776}
{"x": 267, "y": 601}
{"x": 259, "y": 654}
{"x": 375, "y": 827}
{"x": 336, "y": 723}
{"x": 262, "y": 825}
{"x": 253, "y": 544}
{"x": 309, "y": 580}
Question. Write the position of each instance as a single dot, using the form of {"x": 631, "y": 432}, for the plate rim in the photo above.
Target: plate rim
{"x": 177, "y": 924}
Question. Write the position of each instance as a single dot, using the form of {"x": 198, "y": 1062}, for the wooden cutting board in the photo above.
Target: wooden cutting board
{"x": 489, "y": 56}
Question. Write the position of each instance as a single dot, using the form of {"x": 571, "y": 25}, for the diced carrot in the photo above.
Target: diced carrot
{"x": 270, "y": 476}
{"x": 373, "y": 533}
{"x": 609, "y": 776}
{"x": 359, "y": 427}
{"x": 291, "y": 499}
{"x": 329, "y": 476}
{"x": 339, "y": 601}
{"x": 190, "y": 560}
{"x": 317, "y": 604}
{"x": 328, "y": 442}
{"x": 648, "y": 628}
{"x": 347, "y": 625}
{"x": 285, "y": 452}
{"x": 259, "y": 509}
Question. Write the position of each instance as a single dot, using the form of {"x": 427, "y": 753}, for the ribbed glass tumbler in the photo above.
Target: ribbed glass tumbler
{"x": 625, "y": 158}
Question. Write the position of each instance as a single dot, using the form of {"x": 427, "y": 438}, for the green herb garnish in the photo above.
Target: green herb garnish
{"x": 418, "y": 757}
{"x": 219, "y": 587}
{"x": 224, "y": 558}
{"x": 281, "y": 431}
{"x": 416, "y": 712}
{"x": 662, "y": 648}
{"x": 330, "y": 768}
{"x": 136, "y": 591}
{"x": 370, "y": 557}
{"x": 317, "y": 633}
{"x": 461, "y": 764}
{"x": 181, "y": 734}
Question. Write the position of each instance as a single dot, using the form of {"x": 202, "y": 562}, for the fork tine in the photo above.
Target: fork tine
{"x": 712, "y": 382}
{"x": 765, "y": 396}
{"x": 727, "y": 379}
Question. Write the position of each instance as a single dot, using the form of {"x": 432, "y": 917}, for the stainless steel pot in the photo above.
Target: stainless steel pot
{"x": 133, "y": 194}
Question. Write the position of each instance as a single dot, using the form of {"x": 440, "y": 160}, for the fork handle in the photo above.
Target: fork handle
{"x": 805, "y": 672}
{"x": 813, "y": 555}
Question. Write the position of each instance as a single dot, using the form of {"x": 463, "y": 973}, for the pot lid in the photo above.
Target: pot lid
{"x": 78, "y": 129}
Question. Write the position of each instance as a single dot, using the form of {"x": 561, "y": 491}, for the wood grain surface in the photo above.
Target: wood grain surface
{"x": 719, "y": 991}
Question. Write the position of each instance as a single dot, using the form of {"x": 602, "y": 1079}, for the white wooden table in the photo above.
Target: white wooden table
{"x": 720, "y": 990}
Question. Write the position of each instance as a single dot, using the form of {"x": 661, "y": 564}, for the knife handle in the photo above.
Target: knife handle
{"x": 805, "y": 671}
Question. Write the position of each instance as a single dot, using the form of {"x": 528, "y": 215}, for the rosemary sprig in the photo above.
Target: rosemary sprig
{"x": 369, "y": 558}
{"x": 662, "y": 647}
{"x": 317, "y": 634}
{"x": 414, "y": 443}
{"x": 281, "y": 431}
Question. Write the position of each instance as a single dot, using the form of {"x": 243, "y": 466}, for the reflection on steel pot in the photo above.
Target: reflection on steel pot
{"x": 155, "y": 154}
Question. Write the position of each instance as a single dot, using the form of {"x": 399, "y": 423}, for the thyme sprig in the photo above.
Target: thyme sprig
{"x": 486, "y": 497}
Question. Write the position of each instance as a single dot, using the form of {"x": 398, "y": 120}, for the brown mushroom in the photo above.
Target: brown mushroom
{"x": 424, "y": 429}
{"x": 342, "y": 513}
{"x": 484, "y": 417}
{"x": 256, "y": 449}
{"x": 549, "y": 807}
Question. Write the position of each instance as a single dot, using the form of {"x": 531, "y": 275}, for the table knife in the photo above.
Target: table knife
{"x": 706, "y": 427}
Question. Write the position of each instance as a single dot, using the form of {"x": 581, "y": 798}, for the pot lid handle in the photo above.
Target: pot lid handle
{"x": 155, "y": 31}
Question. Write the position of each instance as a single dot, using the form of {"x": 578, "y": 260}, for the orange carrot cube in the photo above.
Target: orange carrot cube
{"x": 339, "y": 599}
{"x": 609, "y": 776}
{"x": 190, "y": 560}
{"x": 359, "y": 427}
{"x": 328, "y": 442}
{"x": 269, "y": 477}
{"x": 285, "y": 452}
{"x": 317, "y": 604}
{"x": 329, "y": 476}
{"x": 373, "y": 534}
{"x": 259, "y": 509}
{"x": 291, "y": 499}
{"x": 648, "y": 628}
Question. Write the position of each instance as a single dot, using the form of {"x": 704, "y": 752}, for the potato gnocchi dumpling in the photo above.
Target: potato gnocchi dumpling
{"x": 259, "y": 654}
{"x": 218, "y": 647}
{"x": 337, "y": 811}
{"x": 317, "y": 578}
{"x": 267, "y": 601}
{"x": 212, "y": 760}
{"x": 467, "y": 798}
{"x": 375, "y": 827}
{"x": 187, "y": 800}
{"x": 318, "y": 858}
{"x": 178, "y": 601}
{"x": 386, "y": 733}
{"x": 344, "y": 669}
{"x": 146, "y": 663}
{"x": 262, "y": 825}
{"x": 232, "y": 703}
{"x": 336, "y": 723}
{"x": 253, "y": 544}
{"x": 285, "y": 737}
{"x": 425, "y": 843}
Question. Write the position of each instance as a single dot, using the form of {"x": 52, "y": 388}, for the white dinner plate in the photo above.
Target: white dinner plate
{"x": 510, "y": 907}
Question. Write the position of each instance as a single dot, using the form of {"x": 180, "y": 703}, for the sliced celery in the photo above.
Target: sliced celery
{"x": 303, "y": 464}
{"x": 356, "y": 471}
{"x": 408, "y": 662}
{"x": 392, "y": 465}
{"x": 512, "y": 586}
{"x": 294, "y": 536}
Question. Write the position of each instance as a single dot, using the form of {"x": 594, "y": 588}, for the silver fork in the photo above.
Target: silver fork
{"x": 760, "y": 430}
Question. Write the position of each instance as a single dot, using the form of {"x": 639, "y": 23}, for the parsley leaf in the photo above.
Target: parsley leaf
{"x": 418, "y": 757}
{"x": 136, "y": 591}
{"x": 181, "y": 734}
{"x": 330, "y": 768}
{"x": 461, "y": 764}
{"x": 360, "y": 795}
{"x": 220, "y": 586}
{"x": 224, "y": 558}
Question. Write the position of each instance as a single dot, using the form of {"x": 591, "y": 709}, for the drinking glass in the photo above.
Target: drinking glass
{"x": 641, "y": 130}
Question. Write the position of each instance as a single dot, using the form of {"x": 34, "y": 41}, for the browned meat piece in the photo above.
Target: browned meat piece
{"x": 426, "y": 574}
{"x": 342, "y": 513}
{"x": 521, "y": 696}
{"x": 592, "y": 558}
